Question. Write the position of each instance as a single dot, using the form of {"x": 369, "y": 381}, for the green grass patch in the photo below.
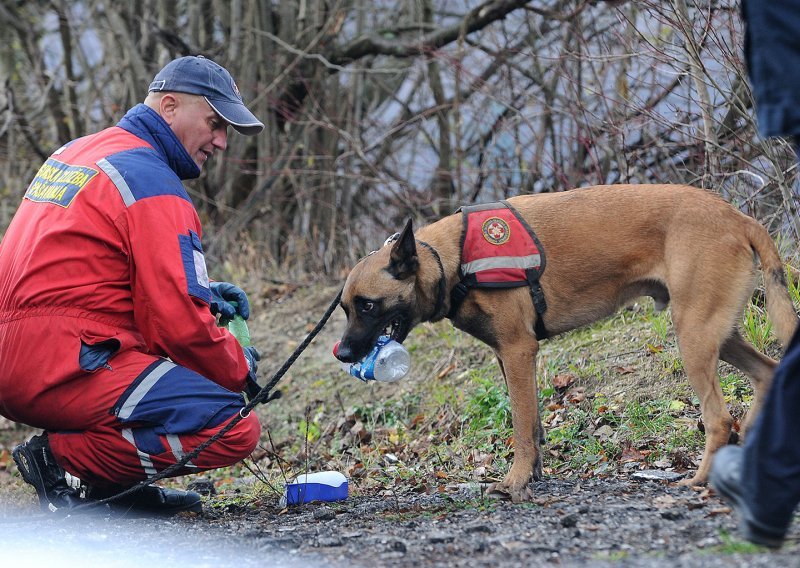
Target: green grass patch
{"x": 734, "y": 545}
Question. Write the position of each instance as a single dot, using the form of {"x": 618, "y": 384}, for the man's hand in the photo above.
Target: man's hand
{"x": 253, "y": 357}
{"x": 222, "y": 293}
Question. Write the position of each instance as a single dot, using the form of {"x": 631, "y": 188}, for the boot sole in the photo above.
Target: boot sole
{"x": 26, "y": 464}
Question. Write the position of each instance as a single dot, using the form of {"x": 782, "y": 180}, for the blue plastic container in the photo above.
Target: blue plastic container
{"x": 320, "y": 486}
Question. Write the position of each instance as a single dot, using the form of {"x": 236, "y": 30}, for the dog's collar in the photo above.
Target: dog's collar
{"x": 441, "y": 287}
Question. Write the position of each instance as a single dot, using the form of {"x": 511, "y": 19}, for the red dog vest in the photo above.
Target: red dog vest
{"x": 500, "y": 250}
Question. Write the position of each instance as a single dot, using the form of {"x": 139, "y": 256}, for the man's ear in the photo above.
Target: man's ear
{"x": 403, "y": 260}
{"x": 167, "y": 107}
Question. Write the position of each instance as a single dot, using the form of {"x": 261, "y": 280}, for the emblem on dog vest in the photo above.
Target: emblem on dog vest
{"x": 500, "y": 250}
{"x": 496, "y": 231}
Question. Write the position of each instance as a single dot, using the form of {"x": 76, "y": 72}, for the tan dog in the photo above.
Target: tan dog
{"x": 605, "y": 245}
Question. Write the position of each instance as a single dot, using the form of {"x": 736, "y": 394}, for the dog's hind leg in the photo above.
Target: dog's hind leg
{"x": 758, "y": 367}
{"x": 699, "y": 339}
{"x": 518, "y": 363}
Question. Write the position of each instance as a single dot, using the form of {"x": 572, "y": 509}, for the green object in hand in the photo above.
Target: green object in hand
{"x": 238, "y": 327}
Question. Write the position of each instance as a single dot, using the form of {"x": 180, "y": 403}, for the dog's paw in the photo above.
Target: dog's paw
{"x": 496, "y": 491}
{"x": 695, "y": 481}
{"x": 502, "y": 491}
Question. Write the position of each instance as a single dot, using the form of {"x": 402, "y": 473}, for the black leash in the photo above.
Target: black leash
{"x": 264, "y": 396}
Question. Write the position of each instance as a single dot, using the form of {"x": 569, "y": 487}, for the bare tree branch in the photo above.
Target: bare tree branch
{"x": 476, "y": 19}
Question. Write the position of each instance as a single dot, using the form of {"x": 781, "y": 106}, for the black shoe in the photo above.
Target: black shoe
{"x": 150, "y": 500}
{"x": 725, "y": 478}
{"x": 38, "y": 466}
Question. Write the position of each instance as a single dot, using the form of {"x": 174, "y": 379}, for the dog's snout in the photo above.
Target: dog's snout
{"x": 345, "y": 354}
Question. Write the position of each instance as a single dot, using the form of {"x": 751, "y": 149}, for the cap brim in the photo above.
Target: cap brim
{"x": 238, "y": 115}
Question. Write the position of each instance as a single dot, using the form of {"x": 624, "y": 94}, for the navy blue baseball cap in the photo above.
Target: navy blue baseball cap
{"x": 197, "y": 75}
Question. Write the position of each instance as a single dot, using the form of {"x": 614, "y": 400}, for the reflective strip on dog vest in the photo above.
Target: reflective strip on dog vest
{"x": 501, "y": 262}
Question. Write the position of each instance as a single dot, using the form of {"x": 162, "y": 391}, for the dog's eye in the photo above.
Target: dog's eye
{"x": 367, "y": 307}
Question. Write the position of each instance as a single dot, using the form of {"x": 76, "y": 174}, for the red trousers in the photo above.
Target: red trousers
{"x": 136, "y": 416}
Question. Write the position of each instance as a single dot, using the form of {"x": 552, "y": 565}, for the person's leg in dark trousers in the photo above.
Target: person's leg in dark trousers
{"x": 762, "y": 479}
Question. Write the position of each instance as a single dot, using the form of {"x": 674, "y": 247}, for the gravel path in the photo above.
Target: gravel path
{"x": 598, "y": 522}
{"x": 594, "y": 522}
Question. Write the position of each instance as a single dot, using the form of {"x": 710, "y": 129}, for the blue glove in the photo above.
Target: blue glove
{"x": 222, "y": 293}
{"x": 253, "y": 357}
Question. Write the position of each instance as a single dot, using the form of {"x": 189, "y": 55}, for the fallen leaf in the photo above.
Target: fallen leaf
{"x": 604, "y": 432}
{"x": 576, "y": 395}
{"x": 356, "y": 469}
{"x": 677, "y": 405}
{"x": 446, "y": 371}
{"x": 631, "y": 454}
{"x": 655, "y": 348}
{"x": 417, "y": 420}
{"x": 359, "y": 432}
{"x": 563, "y": 381}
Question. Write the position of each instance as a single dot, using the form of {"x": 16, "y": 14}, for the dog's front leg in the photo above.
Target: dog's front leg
{"x": 518, "y": 363}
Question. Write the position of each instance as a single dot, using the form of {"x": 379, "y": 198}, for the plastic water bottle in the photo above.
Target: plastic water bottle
{"x": 320, "y": 486}
{"x": 238, "y": 327}
{"x": 388, "y": 362}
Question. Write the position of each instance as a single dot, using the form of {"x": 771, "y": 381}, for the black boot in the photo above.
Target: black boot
{"x": 38, "y": 466}
{"x": 150, "y": 500}
{"x": 726, "y": 479}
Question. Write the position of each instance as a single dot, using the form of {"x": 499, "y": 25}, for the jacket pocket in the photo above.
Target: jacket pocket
{"x": 95, "y": 355}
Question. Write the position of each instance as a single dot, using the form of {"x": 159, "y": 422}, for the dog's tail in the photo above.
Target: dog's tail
{"x": 779, "y": 303}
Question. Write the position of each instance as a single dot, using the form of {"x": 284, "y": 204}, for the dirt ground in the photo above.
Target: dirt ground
{"x": 592, "y": 522}
{"x": 618, "y": 520}
{"x": 570, "y": 523}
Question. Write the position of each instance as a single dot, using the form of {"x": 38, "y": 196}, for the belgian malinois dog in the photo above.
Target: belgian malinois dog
{"x": 605, "y": 246}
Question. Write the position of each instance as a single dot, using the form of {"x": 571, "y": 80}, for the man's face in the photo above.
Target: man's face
{"x": 199, "y": 128}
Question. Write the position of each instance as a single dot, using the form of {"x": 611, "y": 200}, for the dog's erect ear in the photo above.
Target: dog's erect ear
{"x": 404, "y": 262}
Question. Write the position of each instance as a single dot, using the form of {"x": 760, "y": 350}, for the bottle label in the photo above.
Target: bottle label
{"x": 365, "y": 369}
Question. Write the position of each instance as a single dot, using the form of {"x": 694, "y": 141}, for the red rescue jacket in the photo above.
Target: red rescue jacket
{"x": 107, "y": 245}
